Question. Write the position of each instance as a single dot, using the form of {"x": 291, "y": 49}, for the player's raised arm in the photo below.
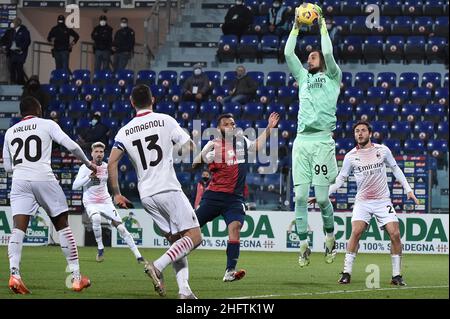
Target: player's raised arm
{"x": 333, "y": 69}
{"x": 113, "y": 176}
{"x": 7, "y": 163}
{"x": 294, "y": 64}
{"x": 204, "y": 156}
{"x": 260, "y": 142}
{"x": 342, "y": 176}
{"x": 392, "y": 163}
{"x": 83, "y": 178}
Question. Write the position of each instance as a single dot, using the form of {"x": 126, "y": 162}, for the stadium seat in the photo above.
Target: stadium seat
{"x": 57, "y": 106}
{"x": 159, "y": 92}
{"x": 423, "y": 130}
{"x": 306, "y": 44}
{"x": 358, "y": 26}
{"x": 185, "y": 75}
{"x": 373, "y": 49}
{"x": 408, "y": 80}
{"x": 415, "y": 48}
{"x": 226, "y": 51}
{"x": 346, "y": 80}
{"x": 344, "y": 112}
{"x": 400, "y": 130}
{"x": 437, "y": 49}
{"x": 130, "y": 180}
{"x": 268, "y": 92}
{"x": 437, "y": 148}
{"x": 364, "y": 80}
{"x": 218, "y": 91}
{"x": 384, "y": 27}
{"x": 352, "y": 48}
{"x": 59, "y": 76}
{"x": 259, "y": 25}
{"x": 353, "y": 95}
{"x": 287, "y": 94}
{"x": 189, "y": 108}
{"x": 121, "y": 108}
{"x": 278, "y": 108}
{"x": 394, "y": 145}
{"x": 111, "y": 123}
{"x": 111, "y": 92}
{"x": 411, "y": 112}
{"x": 276, "y": 79}
{"x": 83, "y": 75}
{"x": 380, "y": 130}
{"x": 100, "y": 106}
{"x": 401, "y": 95}
{"x": 339, "y": 130}
{"x": 343, "y": 23}
{"x": 446, "y": 80}
{"x": 83, "y": 123}
{"x": 125, "y": 75}
{"x": 402, "y": 25}
{"x": 214, "y": 78}
{"x": 209, "y": 110}
{"x": 413, "y": 7}
{"x": 253, "y": 5}
{"x": 434, "y": 7}
{"x": 391, "y": 8}
{"x": 365, "y": 112}
{"x": 442, "y": 130}
{"x": 348, "y": 128}
{"x": 423, "y": 25}
{"x": 351, "y": 7}
{"x": 420, "y": 95}
{"x": 233, "y": 108}
{"x": 344, "y": 145}
{"x": 169, "y": 76}
{"x": 434, "y": 112}
{"x": 441, "y": 96}
{"x": 269, "y": 46}
{"x": 414, "y": 147}
{"x": 394, "y": 48}
{"x": 174, "y": 90}
{"x": 228, "y": 78}
{"x": 441, "y": 26}
{"x": 376, "y": 95}
{"x": 252, "y": 111}
{"x": 66, "y": 123}
{"x": 68, "y": 92}
{"x": 51, "y": 90}
{"x": 331, "y": 7}
{"x": 146, "y": 77}
{"x": 257, "y": 76}
{"x": 387, "y": 112}
{"x": 387, "y": 79}
{"x": 287, "y": 125}
{"x": 431, "y": 80}
{"x": 168, "y": 108}
{"x": 292, "y": 111}
{"x": 103, "y": 77}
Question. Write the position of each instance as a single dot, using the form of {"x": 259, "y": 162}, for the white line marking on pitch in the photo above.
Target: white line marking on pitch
{"x": 339, "y": 292}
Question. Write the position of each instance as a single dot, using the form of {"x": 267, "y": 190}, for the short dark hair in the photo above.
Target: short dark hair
{"x": 322, "y": 59}
{"x": 29, "y": 106}
{"x": 224, "y": 116}
{"x": 141, "y": 96}
{"x": 369, "y": 127}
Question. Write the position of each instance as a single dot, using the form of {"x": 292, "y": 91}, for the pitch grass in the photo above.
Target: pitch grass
{"x": 269, "y": 275}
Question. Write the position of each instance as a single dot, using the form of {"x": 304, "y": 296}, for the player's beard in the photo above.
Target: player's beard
{"x": 364, "y": 142}
{"x": 314, "y": 70}
{"x": 98, "y": 161}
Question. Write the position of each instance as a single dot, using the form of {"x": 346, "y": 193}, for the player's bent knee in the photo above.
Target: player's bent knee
{"x": 96, "y": 219}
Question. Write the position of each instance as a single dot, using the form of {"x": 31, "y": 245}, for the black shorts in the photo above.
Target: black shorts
{"x": 214, "y": 204}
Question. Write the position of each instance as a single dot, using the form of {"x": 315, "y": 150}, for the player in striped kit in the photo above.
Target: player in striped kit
{"x": 97, "y": 201}
{"x": 368, "y": 162}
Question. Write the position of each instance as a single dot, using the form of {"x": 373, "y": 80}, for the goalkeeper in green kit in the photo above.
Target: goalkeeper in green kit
{"x": 313, "y": 153}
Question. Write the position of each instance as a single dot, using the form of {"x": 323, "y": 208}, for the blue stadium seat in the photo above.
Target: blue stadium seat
{"x": 14, "y": 120}
{"x": 168, "y": 108}
{"x": 352, "y": 48}
{"x": 413, "y": 7}
{"x": 387, "y": 79}
{"x": 376, "y": 95}
{"x": 431, "y": 80}
{"x": 226, "y": 51}
{"x": 384, "y": 27}
{"x": 233, "y": 108}
{"x": 342, "y": 22}
{"x": 434, "y": 7}
{"x": 411, "y": 112}
{"x": 257, "y": 76}
{"x": 214, "y": 77}
{"x": 259, "y": 25}
{"x": 415, "y": 48}
{"x": 346, "y": 80}
{"x": 437, "y": 148}
{"x": 130, "y": 180}
{"x": 373, "y": 48}
{"x": 174, "y": 90}
{"x": 380, "y": 130}
{"x": 57, "y": 106}
{"x": 111, "y": 92}
{"x": 402, "y": 25}
{"x": 111, "y": 122}
{"x": 83, "y": 123}
{"x": 408, "y": 80}
{"x": 306, "y": 44}
{"x": 244, "y": 124}
{"x": 218, "y": 91}
{"x": 420, "y": 95}
{"x": 121, "y": 108}
{"x": 391, "y": 8}
{"x": 159, "y": 92}
{"x": 228, "y": 78}
{"x": 401, "y": 93}
{"x": 437, "y": 49}
{"x": 254, "y": 179}
{"x": 287, "y": 94}
{"x": 365, "y": 112}
{"x": 184, "y": 75}
{"x": 423, "y": 25}
{"x": 351, "y": 7}
{"x": 126, "y": 75}
{"x": 260, "y": 124}
{"x": 276, "y": 79}
{"x": 78, "y": 109}
{"x": 400, "y": 130}
{"x": 247, "y": 48}
{"x": 146, "y": 77}
{"x": 252, "y": 111}
{"x": 103, "y": 77}
{"x": 59, "y": 76}
{"x": 364, "y": 80}
{"x": 442, "y": 130}
{"x": 441, "y": 96}
{"x": 344, "y": 112}
{"x": 394, "y": 49}
{"x": 358, "y": 26}
{"x": 100, "y": 106}
{"x": 253, "y": 5}
{"x": 348, "y": 128}
{"x": 353, "y": 95}
{"x": 387, "y": 112}
{"x": 289, "y": 126}
{"x": 169, "y": 76}
{"x": 414, "y": 147}
{"x": 278, "y": 108}
{"x": 51, "y": 89}
{"x": 209, "y": 110}
{"x": 394, "y": 145}
{"x": 66, "y": 124}
{"x": 344, "y": 145}
{"x": 446, "y": 80}
{"x": 268, "y": 92}
{"x": 83, "y": 75}
{"x": 292, "y": 111}
{"x": 423, "y": 130}
{"x": 190, "y": 108}
{"x": 339, "y": 130}
{"x": 434, "y": 112}
{"x": 269, "y": 46}
{"x": 441, "y": 26}
{"x": 68, "y": 92}
{"x": 331, "y": 7}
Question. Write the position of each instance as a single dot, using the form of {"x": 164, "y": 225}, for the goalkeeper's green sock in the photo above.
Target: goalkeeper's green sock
{"x": 301, "y": 211}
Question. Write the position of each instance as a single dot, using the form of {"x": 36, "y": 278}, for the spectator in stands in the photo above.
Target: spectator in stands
{"x": 33, "y": 88}
{"x": 243, "y": 88}
{"x": 123, "y": 45}
{"x": 197, "y": 87}
{"x": 60, "y": 36}
{"x": 200, "y": 188}
{"x": 278, "y": 19}
{"x": 97, "y": 132}
{"x": 237, "y": 20}
{"x": 15, "y": 42}
{"x": 102, "y": 36}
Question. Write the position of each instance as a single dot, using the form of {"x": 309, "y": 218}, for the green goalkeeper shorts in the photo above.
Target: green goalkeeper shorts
{"x": 314, "y": 159}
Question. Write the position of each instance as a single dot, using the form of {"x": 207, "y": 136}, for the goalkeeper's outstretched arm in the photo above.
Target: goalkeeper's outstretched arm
{"x": 293, "y": 62}
{"x": 333, "y": 69}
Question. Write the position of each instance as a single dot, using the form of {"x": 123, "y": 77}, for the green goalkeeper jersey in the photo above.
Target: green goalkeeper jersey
{"x": 318, "y": 93}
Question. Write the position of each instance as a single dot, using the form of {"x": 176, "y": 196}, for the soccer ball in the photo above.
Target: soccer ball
{"x": 307, "y": 14}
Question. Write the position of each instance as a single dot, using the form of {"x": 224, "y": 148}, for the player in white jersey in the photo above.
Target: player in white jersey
{"x": 368, "y": 163}
{"x": 27, "y": 154}
{"x": 97, "y": 201}
{"x": 149, "y": 139}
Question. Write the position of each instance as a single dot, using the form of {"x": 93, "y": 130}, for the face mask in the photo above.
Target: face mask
{"x": 33, "y": 85}
{"x": 276, "y": 5}
{"x": 123, "y": 25}
{"x": 197, "y": 71}
{"x": 12, "y": 25}
{"x": 60, "y": 21}
{"x": 205, "y": 179}
{"x": 238, "y": 3}
{"x": 94, "y": 121}
{"x": 329, "y": 25}
{"x": 102, "y": 23}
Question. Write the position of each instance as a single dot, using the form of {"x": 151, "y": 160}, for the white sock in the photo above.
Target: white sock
{"x": 97, "y": 228}
{"x": 348, "y": 263}
{"x": 182, "y": 274}
{"x": 70, "y": 250}
{"x": 396, "y": 265}
{"x": 124, "y": 233}
{"x": 178, "y": 250}
{"x": 330, "y": 235}
{"x": 15, "y": 251}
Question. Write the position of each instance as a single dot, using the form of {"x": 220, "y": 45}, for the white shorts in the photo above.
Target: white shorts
{"x": 108, "y": 211}
{"x": 27, "y": 196}
{"x": 171, "y": 211}
{"x": 382, "y": 209}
